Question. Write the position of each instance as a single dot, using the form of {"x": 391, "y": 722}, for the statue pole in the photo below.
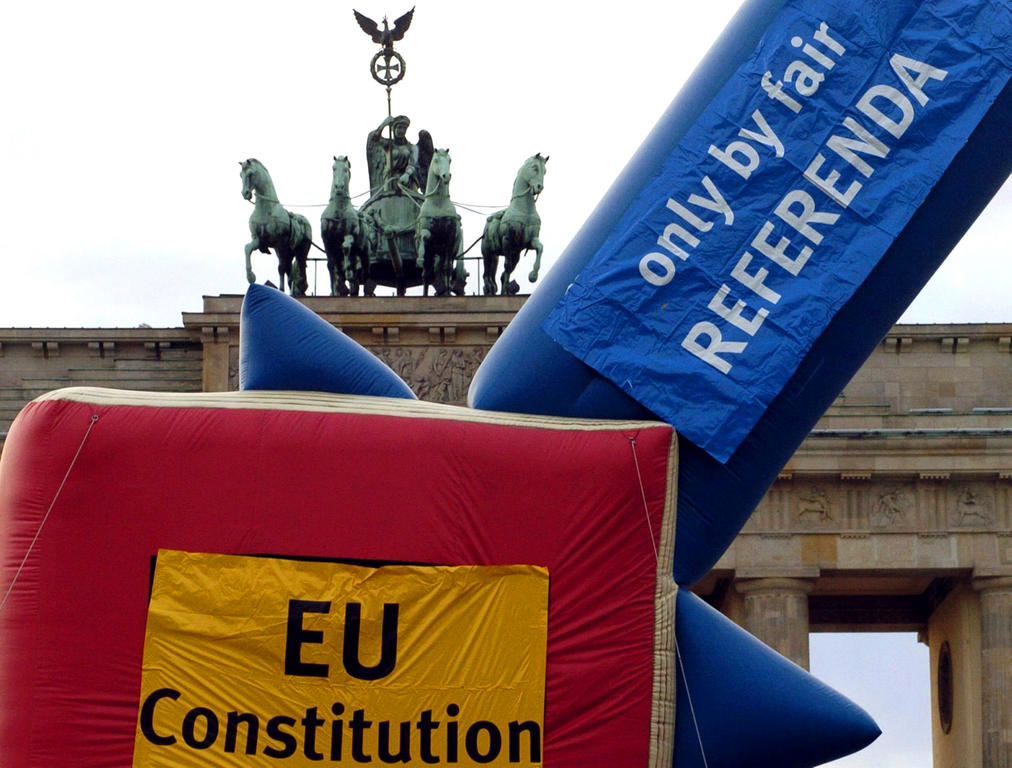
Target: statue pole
{"x": 387, "y": 66}
{"x": 390, "y": 129}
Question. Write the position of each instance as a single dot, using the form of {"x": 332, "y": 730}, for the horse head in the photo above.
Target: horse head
{"x": 342, "y": 175}
{"x": 439, "y": 171}
{"x": 252, "y": 173}
{"x": 531, "y": 176}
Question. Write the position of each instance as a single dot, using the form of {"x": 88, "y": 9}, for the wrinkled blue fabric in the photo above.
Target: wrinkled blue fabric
{"x": 284, "y": 345}
{"x": 747, "y": 154}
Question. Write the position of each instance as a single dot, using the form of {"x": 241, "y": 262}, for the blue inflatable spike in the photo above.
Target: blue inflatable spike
{"x": 528, "y": 371}
{"x": 284, "y": 345}
{"x": 743, "y": 704}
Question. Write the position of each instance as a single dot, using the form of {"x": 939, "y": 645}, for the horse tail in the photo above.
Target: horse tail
{"x": 491, "y": 236}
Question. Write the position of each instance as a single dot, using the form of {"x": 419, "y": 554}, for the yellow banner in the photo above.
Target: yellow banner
{"x": 264, "y": 661}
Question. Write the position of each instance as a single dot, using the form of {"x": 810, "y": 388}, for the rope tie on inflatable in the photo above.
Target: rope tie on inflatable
{"x": 653, "y": 541}
{"x": 692, "y": 709}
{"x": 38, "y": 532}
{"x": 643, "y": 494}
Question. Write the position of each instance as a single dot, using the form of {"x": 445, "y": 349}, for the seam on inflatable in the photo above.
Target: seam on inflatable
{"x": 324, "y": 402}
{"x": 662, "y": 709}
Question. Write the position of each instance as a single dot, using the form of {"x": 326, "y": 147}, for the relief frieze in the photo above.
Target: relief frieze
{"x": 892, "y": 506}
{"x": 435, "y": 374}
{"x": 973, "y": 507}
{"x": 814, "y": 506}
{"x": 881, "y": 507}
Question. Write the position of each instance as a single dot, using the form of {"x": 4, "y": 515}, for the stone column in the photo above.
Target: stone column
{"x": 216, "y": 353}
{"x": 776, "y": 611}
{"x": 996, "y": 669}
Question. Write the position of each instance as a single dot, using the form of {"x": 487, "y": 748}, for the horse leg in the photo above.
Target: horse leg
{"x": 448, "y": 255}
{"x": 442, "y": 282}
{"x": 352, "y": 268}
{"x": 510, "y": 259}
{"x": 346, "y": 265}
{"x": 491, "y": 263}
{"x": 448, "y": 272}
{"x": 460, "y": 275}
{"x": 456, "y": 270}
{"x": 300, "y": 276}
{"x": 352, "y": 272}
{"x": 251, "y": 246}
{"x": 490, "y": 254}
{"x": 364, "y": 267}
{"x": 296, "y": 270}
{"x": 439, "y": 259}
{"x": 327, "y": 235}
{"x": 332, "y": 273}
{"x": 284, "y": 269}
{"x": 333, "y": 259}
{"x": 536, "y": 244}
{"x": 422, "y": 234}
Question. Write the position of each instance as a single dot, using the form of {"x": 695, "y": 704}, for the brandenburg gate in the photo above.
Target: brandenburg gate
{"x": 894, "y": 515}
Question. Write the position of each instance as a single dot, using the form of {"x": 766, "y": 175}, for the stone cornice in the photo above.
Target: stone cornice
{"x": 939, "y": 331}
{"x": 12, "y": 336}
{"x": 976, "y": 451}
{"x": 388, "y": 321}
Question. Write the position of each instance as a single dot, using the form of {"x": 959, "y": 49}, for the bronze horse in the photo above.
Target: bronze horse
{"x": 271, "y": 226}
{"x": 347, "y": 236}
{"x": 438, "y": 234}
{"x": 514, "y": 230}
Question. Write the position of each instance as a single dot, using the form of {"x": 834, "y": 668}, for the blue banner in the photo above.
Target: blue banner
{"x": 727, "y": 267}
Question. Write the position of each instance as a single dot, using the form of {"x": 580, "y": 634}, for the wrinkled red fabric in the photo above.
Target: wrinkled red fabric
{"x": 335, "y": 485}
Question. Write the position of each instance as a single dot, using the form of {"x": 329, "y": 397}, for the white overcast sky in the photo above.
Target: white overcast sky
{"x": 123, "y": 124}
